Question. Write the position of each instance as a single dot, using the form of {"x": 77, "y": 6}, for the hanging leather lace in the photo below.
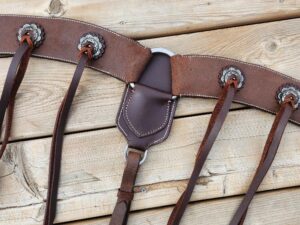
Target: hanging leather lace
{"x": 215, "y": 124}
{"x": 269, "y": 153}
{"x": 58, "y": 134}
{"x": 12, "y": 83}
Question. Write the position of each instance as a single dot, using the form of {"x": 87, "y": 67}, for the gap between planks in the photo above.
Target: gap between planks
{"x": 98, "y": 97}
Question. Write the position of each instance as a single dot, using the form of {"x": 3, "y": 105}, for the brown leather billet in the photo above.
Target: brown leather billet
{"x": 125, "y": 193}
{"x": 215, "y": 124}
{"x": 12, "y": 83}
{"x": 197, "y": 76}
{"x": 124, "y": 58}
{"x": 269, "y": 153}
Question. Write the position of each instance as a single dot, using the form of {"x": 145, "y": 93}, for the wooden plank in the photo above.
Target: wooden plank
{"x": 272, "y": 208}
{"x": 93, "y": 163}
{"x": 275, "y": 45}
{"x": 157, "y": 18}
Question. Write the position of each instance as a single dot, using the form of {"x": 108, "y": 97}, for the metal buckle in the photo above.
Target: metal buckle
{"x": 127, "y": 150}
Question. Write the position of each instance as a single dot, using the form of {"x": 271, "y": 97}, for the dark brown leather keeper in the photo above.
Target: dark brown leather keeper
{"x": 194, "y": 76}
{"x": 124, "y": 58}
{"x": 147, "y": 109}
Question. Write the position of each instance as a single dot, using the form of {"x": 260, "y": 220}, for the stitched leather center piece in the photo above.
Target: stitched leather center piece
{"x": 147, "y": 105}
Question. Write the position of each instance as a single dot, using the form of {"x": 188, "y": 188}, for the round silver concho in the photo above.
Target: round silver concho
{"x": 230, "y": 71}
{"x": 96, "y": 41}
{"x": 289, "y": 90}
{"x": 35, "y": 31}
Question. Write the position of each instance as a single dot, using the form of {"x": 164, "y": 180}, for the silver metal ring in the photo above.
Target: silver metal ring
{"x": 127, "y": 150}
{"x": 162, "y": 50}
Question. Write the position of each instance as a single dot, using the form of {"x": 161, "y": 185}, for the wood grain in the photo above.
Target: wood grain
{"x": 93, "y": 163}
{"x": 154, "y": 18}
{"x": 272, "y": 208}
{"x": 275, "y": 45}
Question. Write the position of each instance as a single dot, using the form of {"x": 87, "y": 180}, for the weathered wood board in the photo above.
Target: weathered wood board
{"x": 272, "y": 208}
{"x": 93, "y": 163}
{"x": 152, "y": 18}
{"x": 93, "y": 158}
{"x": 274, "y": 45}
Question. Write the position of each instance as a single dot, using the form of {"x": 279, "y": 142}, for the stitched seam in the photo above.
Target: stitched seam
{"x": 151, "y": 131}
{"x": 242, "y": 62}
{"x": 236, "y": 101}
{"x": 74, "y": 62}
{"x": 74, "y": 21}
{"x": 167, "y": 130}
{"x": 119, "y": 125}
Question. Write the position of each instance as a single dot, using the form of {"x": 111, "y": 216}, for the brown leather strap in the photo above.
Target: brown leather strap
{"x": 124, "y": 58}
{"x": 125, "y": 194}
{"x": 57, "y": 142}
{"x": 12, "y": 83}
{"x": 268, "y": 156}
{"x": 192, "y": 77}
{"x": 216, "y": 121}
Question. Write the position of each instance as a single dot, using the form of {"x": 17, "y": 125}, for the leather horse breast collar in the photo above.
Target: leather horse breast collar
{"x": 155, "y": 79}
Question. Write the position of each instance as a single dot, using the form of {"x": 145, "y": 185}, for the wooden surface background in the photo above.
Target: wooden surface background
{"x": 263, "y": 32}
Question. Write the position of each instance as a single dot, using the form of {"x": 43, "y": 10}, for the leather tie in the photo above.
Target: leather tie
{"x": 215, "y": 124}
{"x": 268, "y": 156}
{"x": 12, "y": 83}
{"x": 57, "y": 142}
{"x": 125, "y": 194}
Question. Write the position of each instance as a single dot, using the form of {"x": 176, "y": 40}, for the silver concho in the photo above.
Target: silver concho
{"x": 96, "y": 41}
{"x": 35, "y": 31}
{"x": 286, "y": 90}
{"x": 230, "y": 71}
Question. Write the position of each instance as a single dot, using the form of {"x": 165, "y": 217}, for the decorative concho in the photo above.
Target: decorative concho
{"x": 230, "y": 71}
{"x": 35, "y": 31}
{"x": 96, "y": 41}
{"x": 289, "y": 90}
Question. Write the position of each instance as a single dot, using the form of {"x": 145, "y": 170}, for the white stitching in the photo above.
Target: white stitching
{"x": 242, "y": 62}
{"x": 74, "y": 21}
{"x": 120, "y": 113}
{"x": 151, "y": 131}
{"x": 167, "y": 129}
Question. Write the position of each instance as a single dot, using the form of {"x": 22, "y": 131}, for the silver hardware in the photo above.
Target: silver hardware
{"x": 145, "y": 153}
{"x": 229, "y": 72}
{"x": 35, "y": 31}
{"x": 289, "y": 90}
{"x": 162, "y": 50}
{"x": 132, "y": 85}
{"x": 96, "y": 41}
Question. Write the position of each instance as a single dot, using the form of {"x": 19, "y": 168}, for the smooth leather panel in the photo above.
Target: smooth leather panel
{"x": 123, "y": 58}
{"x": 197, "y": 76}
{"x": 146, "y": 114}
{"x": 150, "y": 106}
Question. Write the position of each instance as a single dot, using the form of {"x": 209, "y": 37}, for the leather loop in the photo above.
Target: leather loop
{"x": 216, "y": 121}
{"x": 57, "y": 142}
{"x": 125, "y": 196}
{"x": 269, "y": 153}
{"x": 12, "y": 83}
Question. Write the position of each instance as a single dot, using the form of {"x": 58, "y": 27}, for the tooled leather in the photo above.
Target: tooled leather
{"x": 124, "y": 58}
{"x": 192, "y": 77}
{"x": 147, "y": 106}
